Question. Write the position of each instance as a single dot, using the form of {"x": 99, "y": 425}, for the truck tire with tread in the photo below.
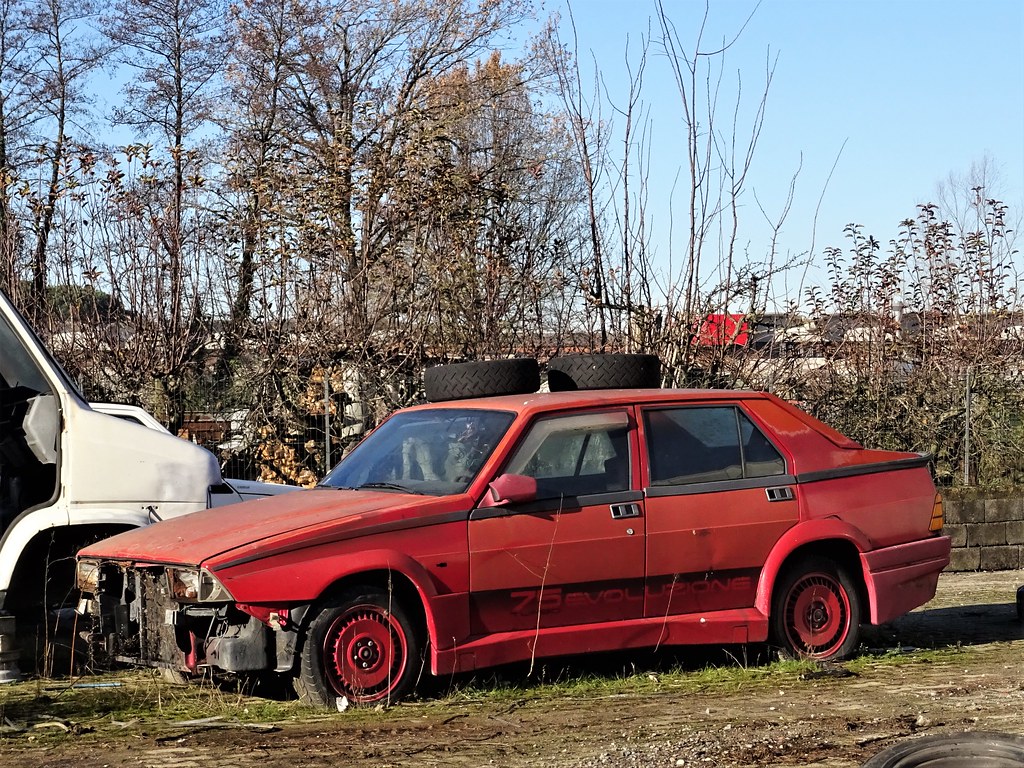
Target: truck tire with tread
{"x": 611, "y": 371}
{"x": 951, "y": 750}
{"x": 485, "y": 378}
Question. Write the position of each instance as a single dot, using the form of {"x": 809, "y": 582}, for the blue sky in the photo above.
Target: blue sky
{"x": 898, "y": 94}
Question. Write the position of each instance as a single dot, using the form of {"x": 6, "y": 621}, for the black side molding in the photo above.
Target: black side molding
{"x": 865, "y": 469}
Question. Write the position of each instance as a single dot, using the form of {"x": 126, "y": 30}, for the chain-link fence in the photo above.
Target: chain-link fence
{"x": 968, "y": 421}
{"x": 292, "y": 427}
{"x": 970, "y": 424}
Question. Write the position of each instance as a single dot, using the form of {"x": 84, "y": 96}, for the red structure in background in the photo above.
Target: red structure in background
{"x": 719, "y": 330}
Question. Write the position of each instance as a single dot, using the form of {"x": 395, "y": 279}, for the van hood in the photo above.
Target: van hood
{"x": 248, "y": 527}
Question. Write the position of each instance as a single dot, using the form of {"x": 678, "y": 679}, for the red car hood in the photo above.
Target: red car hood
{"x": 195, "y": 538}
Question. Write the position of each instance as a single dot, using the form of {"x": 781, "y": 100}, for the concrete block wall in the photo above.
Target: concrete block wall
{"x": 987, "y": 533}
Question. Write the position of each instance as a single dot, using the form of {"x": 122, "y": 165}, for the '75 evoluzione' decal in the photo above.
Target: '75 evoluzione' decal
{"x": 553, "y": 599}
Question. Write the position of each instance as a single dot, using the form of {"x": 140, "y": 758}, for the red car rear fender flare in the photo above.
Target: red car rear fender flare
{"x": 820, "y": 534}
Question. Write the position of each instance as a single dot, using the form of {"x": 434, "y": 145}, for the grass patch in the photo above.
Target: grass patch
{"x": 894, "y": 657}
{"x": 139, "y": 699}
{"x": 731, "y": 675}
{"x": 568, "y": 682}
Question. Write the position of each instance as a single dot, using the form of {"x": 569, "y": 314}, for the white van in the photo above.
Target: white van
{"x": 71, "y": 474}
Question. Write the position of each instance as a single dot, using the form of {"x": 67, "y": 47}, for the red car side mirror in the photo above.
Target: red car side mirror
{"x": 513, "y": 489}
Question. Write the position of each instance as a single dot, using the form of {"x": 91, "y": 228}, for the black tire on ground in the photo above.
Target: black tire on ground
{"x": 360, "y": 646}
{"x": 816, "y": 610}
{"x": 980, "y": 749}
{"x": 518, "y": 376}
{"x": 615, "y": 371}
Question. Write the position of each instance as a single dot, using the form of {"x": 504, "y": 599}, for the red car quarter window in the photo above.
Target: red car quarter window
{"x": 575, "y": 455}
{"x": 707, "y": 444}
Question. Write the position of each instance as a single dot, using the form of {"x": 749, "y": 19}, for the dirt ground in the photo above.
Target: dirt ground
{"x": 830, "y": 717}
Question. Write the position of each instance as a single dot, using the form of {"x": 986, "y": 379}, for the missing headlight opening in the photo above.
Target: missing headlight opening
{"x": 195, "y": 586}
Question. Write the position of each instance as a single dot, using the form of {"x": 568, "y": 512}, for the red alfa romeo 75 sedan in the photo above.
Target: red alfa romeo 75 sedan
{"x": 475, "y": 532}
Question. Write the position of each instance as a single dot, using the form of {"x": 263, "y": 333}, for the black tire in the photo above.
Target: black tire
{"x": 619, "y": 371}
{"x": 979, "y": 749}
{"x": 488, "y": 378}
{"x": 816, "y": 611}
{"x": 361, "y": 646}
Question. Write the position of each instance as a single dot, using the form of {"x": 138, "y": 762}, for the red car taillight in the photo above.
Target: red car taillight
{"x": 938, "y": 516}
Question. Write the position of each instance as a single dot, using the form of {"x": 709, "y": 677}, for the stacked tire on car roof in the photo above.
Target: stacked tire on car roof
{"x": 522, "y": 376}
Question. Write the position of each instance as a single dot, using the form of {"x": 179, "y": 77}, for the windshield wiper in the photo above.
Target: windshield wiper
{"x": 388, "y": 487}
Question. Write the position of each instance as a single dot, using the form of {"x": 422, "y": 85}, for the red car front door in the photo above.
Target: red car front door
{"x": 575, "y": 554}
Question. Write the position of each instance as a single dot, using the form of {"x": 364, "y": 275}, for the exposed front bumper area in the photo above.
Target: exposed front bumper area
{"x": 903, "y": 577}
{"x": 137, "y": 621}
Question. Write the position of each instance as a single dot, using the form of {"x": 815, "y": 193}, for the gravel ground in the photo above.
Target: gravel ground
{"x": 836, "y": 716}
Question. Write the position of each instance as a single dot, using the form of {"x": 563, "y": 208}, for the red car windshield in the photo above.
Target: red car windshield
{"x": 436, "y": 452}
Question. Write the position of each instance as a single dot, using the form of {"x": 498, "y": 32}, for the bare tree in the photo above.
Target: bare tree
{"x": 639, "y": 304}
{"x": 175, "y": 48}
{"x": 66, "y": 58}
{"x": 501, "y": 183}
{"x": 264, "y": 40}
{"x": 16, "y": 116}
{"x": 590, "y": 137}
{"x": 380, "y": 212}
{"x": 961, "y": 198}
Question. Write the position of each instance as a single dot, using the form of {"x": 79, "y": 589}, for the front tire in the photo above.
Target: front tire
{"x": 816, "y": 611}
{"x": 361, "y": 646}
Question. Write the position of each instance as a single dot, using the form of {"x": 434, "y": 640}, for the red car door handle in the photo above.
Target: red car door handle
{"x": 779, "y": 493}
{"x": 620, "y": 511}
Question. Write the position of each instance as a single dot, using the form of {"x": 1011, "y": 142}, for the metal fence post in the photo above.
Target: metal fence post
{"x": 967, "y": 430}
{"x": 327, "y": 422}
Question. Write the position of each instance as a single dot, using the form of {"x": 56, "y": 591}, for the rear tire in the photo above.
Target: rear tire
{"x": 816, "y": 611}
{"x": 618, "y": 371}
{"x": 362, "y": 647}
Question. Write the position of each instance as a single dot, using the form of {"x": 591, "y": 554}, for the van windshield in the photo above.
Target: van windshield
{"x": 17, "y": 366}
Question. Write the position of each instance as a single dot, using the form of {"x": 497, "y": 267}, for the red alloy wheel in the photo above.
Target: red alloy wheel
{"x": 817, "y": 615}
{"x": 365, "y": 654}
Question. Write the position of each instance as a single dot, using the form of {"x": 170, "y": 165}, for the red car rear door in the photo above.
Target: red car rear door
{"x": 718, "y": 497}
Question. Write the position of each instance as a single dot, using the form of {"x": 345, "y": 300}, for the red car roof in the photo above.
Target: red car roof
{"x": 543, "y": 402}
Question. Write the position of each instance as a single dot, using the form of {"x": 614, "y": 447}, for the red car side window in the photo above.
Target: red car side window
{"x": 760, "y": 457}
{"x": 707, "y": 444}
{"x": 575, "y": 455}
